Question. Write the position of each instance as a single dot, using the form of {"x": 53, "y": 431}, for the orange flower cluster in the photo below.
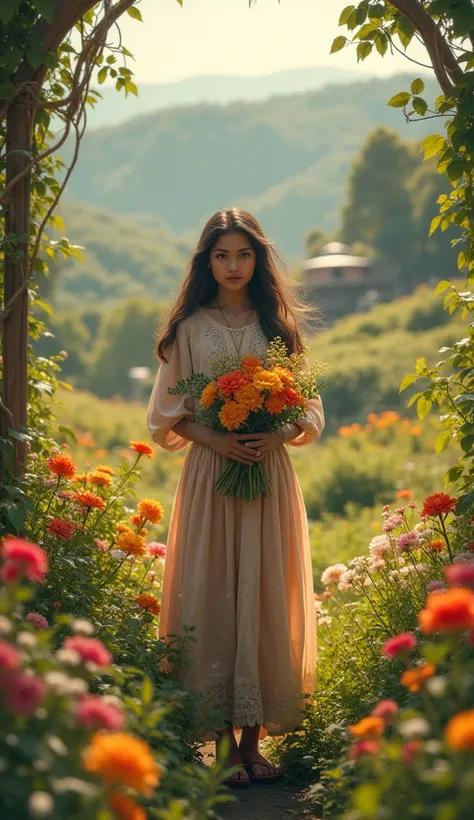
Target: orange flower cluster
{"x": 368, "y": 727}
{"x": 132, "y": 543}
{"x": 151, "y": 510}
{"x": 414, "y": 679}
{"x": 250, "y": 388}
{"x": 125, "y": 808}
{"x": 459, "y": 731}
{"x": 91, "y": 500}
{"x": 62, "y": 465}
{"x": 119, "y": 759}
{"x": 451, "y": 610}
{"x": 148, "y": 602}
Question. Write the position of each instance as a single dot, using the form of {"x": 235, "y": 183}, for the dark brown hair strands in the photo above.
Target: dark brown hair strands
{"x": 271, "y": 294}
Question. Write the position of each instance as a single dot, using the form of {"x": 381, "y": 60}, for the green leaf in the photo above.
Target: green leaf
{"x": 338, "y": 43}
{"x": 8, "y": 9}
{"x": 146, "y": 692}
{"x": 345, "y": 14}
{"x": 417, "y": 86}
{"x": 45, "y": 8}
{"x": 462, "y": 260}
{"x": 432, "y": 145}
{"x": 435, "y": 223}
{"x": 465, "y": 503}
{"x": 423, "y": 407}
{"x": 102, "y": 75}
{"x": 420, "y": 105}
{"x": 455, "y": 169}
{"x": 399, "y": 100}
{"x": 35, "y": 57}
{"x": 435, "y": 652}
{"x": 7, "y": 90}
{"x": 442, "y": 440}
{"x": 442, "y": 286}
{"x": 363, "y": 50}
{"x": 407, "y": 381}
{"x": 16, "y": 515}
{"x": 381, "y": 43}
{"x": 136, "y": 13}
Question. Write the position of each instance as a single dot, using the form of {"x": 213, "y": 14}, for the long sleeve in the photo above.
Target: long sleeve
{"x": 312, "y": 423}
{"x": 164, "y": 410}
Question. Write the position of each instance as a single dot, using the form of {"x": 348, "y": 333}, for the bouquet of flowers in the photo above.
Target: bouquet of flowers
{"x": 249, "y": 395}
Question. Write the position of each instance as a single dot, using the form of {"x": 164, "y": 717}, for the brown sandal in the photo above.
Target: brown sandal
{"x": 263, "y": 780}
{"x": 238, "y": 784}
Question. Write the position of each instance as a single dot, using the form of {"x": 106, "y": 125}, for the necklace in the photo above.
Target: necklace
{"x": 238, "y": 346}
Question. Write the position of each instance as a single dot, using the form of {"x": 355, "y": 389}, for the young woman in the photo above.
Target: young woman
{"x": 239, "y": 572}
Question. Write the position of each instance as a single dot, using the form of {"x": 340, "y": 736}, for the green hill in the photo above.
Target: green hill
{"x": 285, "y": 158}
{"x": 124, "y": 257}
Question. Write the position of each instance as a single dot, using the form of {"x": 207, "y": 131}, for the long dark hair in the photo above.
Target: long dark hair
{"x": 271, "y": 295}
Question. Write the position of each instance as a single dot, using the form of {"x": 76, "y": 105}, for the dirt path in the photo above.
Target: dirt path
{"x": 279, "y": 802}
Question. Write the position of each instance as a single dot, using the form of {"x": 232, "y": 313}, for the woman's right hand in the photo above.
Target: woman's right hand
{"x": 229, "y": 446}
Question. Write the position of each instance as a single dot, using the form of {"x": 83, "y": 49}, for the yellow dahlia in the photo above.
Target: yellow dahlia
{"x": 131, "y": 543}
{"x": 100, "y": 479}
{"x": 249, "y": 397}
{"x": 268, "y": 380}
{"x": 103, "y": 468}
{"x": 232, "y": 415}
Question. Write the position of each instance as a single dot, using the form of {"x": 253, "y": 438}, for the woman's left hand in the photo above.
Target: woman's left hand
{"x": 262, "y": 443}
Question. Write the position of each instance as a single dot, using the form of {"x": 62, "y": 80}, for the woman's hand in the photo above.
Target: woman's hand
{"x": 262, "y": 444}
{"x": 231, "y": 445}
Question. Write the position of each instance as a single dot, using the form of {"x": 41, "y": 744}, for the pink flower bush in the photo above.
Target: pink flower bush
{"x": 101, "y": 545}
{"x": 22, "y": 559}
{"x": 363, "y": 748}
{"x": 407, "y": 541}
{"x": 9, "y": 656}
{"x": 399, "y": 645}
{"x": 23, "y": 693}
{"x": 460, "y": 575}
{"x": 332, "y": 575}
{"x": 89, "y": 649}
{"x": 93, "y": 713}
{"x": 387, "y": 710}
{"x": 38, "y": 620}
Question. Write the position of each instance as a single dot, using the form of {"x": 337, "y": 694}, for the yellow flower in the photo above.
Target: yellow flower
{"x": 232, "y": 415}
{"x": 103, "y": 468}
{"x": 119, "y": 759}
{"x": 131, "y": 543}
{"x": 268, "y": 380}
{"x": 151, "y": 510}
{"x": 208, "y": 395}
{"x": 249, "y": 397}
{"x": 284, "y": 374}
{"x": 100, "y": 479}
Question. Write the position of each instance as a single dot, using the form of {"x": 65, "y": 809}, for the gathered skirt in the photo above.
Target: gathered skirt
{"x": 240, "y": 574}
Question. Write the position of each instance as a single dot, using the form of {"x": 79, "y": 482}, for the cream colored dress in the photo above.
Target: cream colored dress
{"x": 239, "y": 572}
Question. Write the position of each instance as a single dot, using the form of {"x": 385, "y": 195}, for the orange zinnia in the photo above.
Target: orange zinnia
{"x": 249, "y": 397}
{"x": 148, "y": 602}
{"x": 151, "y": 510}
{"x": 268, "y": 380}
{"x": 125, "y": 808}
{"x": 232, "y": 415}
{"x": 404, "y": 494}
{"x": 230, "y": 382}
{"x": 459, "y": 731}
{"x": 80, "y": 478}
{"x": 62, "y": 465}
{"x": 250, "y": 363}
{"x": 438, "y": 504}
{"x": 142, "y": 448}
{"x": 437, "y": 545}
{"x": 100, "y": 479}
{"x": 414, "y": 679}
{"x": 132, "y": 543}
{"x": 103, "y": 468}
{"x": 368, "y": 727}
{"x": 275, "y": 405}
{"x": 208, "y": 395}
{"x": 120, "y": 759}
{"x": 86, "y": 499}
{"x": 449, "y": 611}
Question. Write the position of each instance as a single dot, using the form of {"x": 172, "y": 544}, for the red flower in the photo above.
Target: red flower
{"x": 231, "y": 382}
{"x": 9, "y": 656}
{"x": 363, "y": 748}
{"x": 142, "y": 448}
{"x": 23, "y": 693}
{"x": 22, "y": 559}
{"x": 386, "y": 709}
{"x": 94, "y": 713}
{"x": 90, "y": 649}
{"x": 449, "y": 611}
{"x": 149, "y": 603}
{"x": 460, "y": 575}
{"x": 62, "y": 465}
{"x": 61, "y": 528}
{"x": 410, "y": 750}
{"x": 438, "y": 504}
{"x": 86, "y": 499}
{"x": 291, "y": 397}
{"x": 398, "y": 645}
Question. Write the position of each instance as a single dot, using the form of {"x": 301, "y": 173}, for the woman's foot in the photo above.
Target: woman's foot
{"x": 239, "y": 779}
{"x": 259, "y": 768}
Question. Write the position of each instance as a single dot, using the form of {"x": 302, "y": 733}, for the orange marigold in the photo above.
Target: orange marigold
{"x": 404, "y": 494}
{"x": 249, "y": 397}
{"x": 285, "y": 375}
{"x": 459, "y": 732}
{"x": 142, "y": 448}
{"x": 62, "y": 465}
{"x": 368, "y": 727}
{"x": 86, "y": 499}
{"x": 81, "y": 478}
{"x": 231, "y": 382}
{"x": 438, "y": 504}
{"x": 415, "y": 679}
{"x": 232, "y": 415}
{"x": 268, "y": 380}
{"x": 100, "y": 479}
{"x": 123, "y": 760}
{"x": 148, "y": 602}
{"x": 125, "y": 808}
{"x": 134, "y": 519}
{"x": 151, "y": 510}
{"x": 208, "y": 395}
{"x": 103, "y": 468}
{"x": 131, "y": 543}
{"x": 437, "y": 545}
{"x": 250, "y": 363}
{"x": 274, "y": 405}
{"x": 451, "y": 610}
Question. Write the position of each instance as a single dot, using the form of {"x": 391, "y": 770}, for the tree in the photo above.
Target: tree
{"x": 50, "y": 50}
{"x": 314, "y": 242}
{"x": 378, "y": 208}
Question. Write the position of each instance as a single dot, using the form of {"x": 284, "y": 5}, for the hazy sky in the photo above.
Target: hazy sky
{"x": 226, "y": 37}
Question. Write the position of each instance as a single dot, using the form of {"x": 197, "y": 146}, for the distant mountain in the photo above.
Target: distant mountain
{"x": 114, "y": 109}
{"x": 285, "y": 158}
